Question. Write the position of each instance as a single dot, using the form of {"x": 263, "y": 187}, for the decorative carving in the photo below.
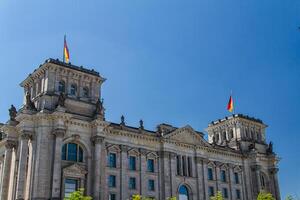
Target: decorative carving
{"x": 10, "y": 144}
{"x": 255, "y": 167}
{"x": 61, "y": 100}
{"x": 59, "y": 132}
{"x": 29, "y": 105}
{"x": 12, "y": 113}
{"x": 97, "y": 139}
{"x": 26, "y": 135}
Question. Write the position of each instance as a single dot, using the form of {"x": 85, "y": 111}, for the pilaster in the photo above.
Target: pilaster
{"x": 21, "y": 180}
{"x": 56, "y": 177}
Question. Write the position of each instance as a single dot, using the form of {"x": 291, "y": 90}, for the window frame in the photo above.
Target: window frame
{"x": 79, "y": 153}
{"x": 210, "y": 174}
{"x": 152, "y": 168}
{"x": 131, "y": 166}
{"x": 151, "y": 185}
{"x": 132, "y": 183}
{"x": 73, "y": 86}
{"x": 112, "y": 181}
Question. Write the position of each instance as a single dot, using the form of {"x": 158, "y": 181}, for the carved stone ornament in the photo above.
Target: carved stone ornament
{"x": 99, "y": 108}
{"x": 97, "y": 139}
{"x": 74, "y": 170}
{"x": 122, "y": 120}
{"x": 10, "y": 144}
{"x": 274, "y": 170}
{"x": 59, "y": 132}
{"x": 26, "y": 135}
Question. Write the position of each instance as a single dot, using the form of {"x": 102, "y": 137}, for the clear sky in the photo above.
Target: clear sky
{"x": 170, "y": 61}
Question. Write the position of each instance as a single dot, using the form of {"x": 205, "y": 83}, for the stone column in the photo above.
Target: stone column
{"x": 231, "y": 179}
{"x": 10, "y": 145}
{"x": 205, "y": 178}
{"x": 256, "y": 170}
{"x": 56, "y": 178}
{"x": 21, "y": 180}
{"x": 217, "y": 171}
{"x": 200, "y": 178}
{"x": 274, "y": 176}
{"x": 173, "y": 174}
{"x": 97, "y": 140}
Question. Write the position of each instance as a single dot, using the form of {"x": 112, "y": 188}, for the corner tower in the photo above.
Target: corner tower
{"x": 239, "y": 132}
{"x": 56, "y": 82}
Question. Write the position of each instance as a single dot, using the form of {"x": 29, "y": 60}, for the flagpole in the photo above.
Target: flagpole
{"x": 64, "y": 48}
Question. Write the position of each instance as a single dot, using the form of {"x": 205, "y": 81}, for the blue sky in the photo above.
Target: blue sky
{"x": 170, "y": 61}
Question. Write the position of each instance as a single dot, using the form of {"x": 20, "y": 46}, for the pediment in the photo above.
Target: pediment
{"x": 186, "y": 135}
{"x": 74, "y": 170}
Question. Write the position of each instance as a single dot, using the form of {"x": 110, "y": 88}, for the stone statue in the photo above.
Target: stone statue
{"x": 29, "y": 104}
{"x": 270, "y": 148}
{"x": 141, "y": 124}
{"x": 99, "y": 108}
{"x": 122, "y": 120}
{"x": 12, "y": 113}
{"x": 61, "y": 100}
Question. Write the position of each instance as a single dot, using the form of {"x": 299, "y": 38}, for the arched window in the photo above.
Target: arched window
{"x": 263, "y": 180}
{"x": 183, "y": 193}
{"x": 85, "y": 91}
{"x": 73, "y": 90}
{"x": 72, "y": 152}
{"x": 61, "y": 86}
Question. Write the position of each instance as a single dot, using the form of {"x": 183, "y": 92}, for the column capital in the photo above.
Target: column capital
{"x": 123, "y": 147}
{"x": 97, "y": 139}
{"x": 59, "y": 132}
{"x": 199, "y": 160}
{"x": 26, "y": 135}
{"x": 274, "y": 170}
{"x": 10, "y": 144}
{"x": 218, "y": 163}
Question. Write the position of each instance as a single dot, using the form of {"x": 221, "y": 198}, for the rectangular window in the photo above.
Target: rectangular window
{"x": 238, "y": 194}
{"x": 236, "y": 178}
{"x": 190, "y": 167}
{"x": 150, "y": 165}
{"x": 132, "y": 163}
{"x": 184, "y": 165}
{"x": 71, "y": 185}
{"x": 151, "y": 186}
{"x": 210, "y": 174}
{"x": 211, "y": 191}
{"x": 225, "y": 193}
{"x": 178, "y": 165}
{"x": 112, "y": 160}
{"x": 64, "y": 152}
{"x": 112, "y": 197}
{"x": 223, "y": 175}
{"x": 112, "y": 181}
{"x": 132, "y": 183}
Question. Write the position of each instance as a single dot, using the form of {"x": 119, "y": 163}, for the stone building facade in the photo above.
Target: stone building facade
{"x": 59, "y": 141}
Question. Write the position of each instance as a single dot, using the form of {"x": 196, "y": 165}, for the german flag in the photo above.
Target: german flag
{"x": 66, "y": 51}
{"x": 230, "y": 106}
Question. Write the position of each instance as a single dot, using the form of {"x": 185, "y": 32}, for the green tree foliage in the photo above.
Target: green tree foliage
{"x": 218, "y": 196}
{"x": 78, "y": 195}
{"x": 263, "y": 195}
{"x": 289, "y": 197}
{"x": 171, "y": 198}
